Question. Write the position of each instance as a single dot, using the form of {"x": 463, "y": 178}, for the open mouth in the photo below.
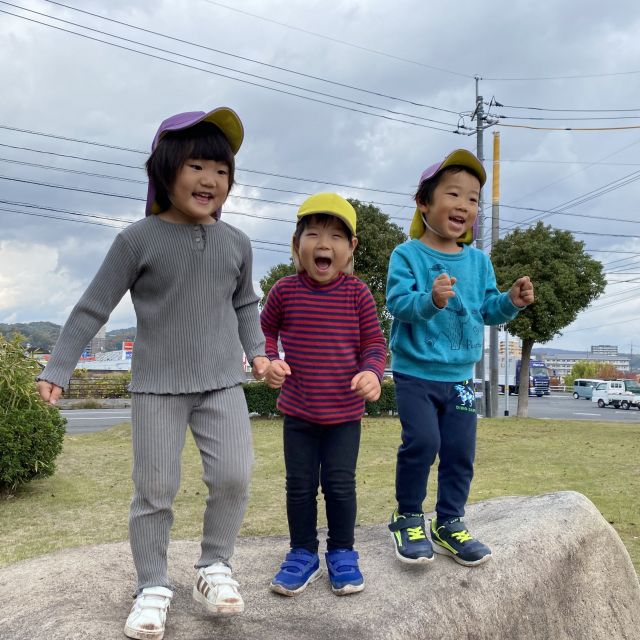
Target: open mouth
{"x": 457, "y": 220}
{"x": 203, "y": 198}
{"x": 323, "y": 264}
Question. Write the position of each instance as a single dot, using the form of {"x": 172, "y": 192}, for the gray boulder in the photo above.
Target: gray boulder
{"x": 559, "y": 571}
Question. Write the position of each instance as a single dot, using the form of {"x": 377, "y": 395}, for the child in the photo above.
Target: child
{"x": 191, "y": 284}
{"x": 335, "y": 356}
{"x": 441, "y": 293}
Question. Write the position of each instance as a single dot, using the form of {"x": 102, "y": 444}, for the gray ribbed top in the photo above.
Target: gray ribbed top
{"x": 195, "y": 306}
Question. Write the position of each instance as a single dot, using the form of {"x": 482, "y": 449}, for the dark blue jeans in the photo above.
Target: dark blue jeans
{"x": 438, "y": 418}
{"x": 326, "y": 455}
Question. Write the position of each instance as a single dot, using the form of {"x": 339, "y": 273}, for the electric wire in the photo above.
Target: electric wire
{"x": 189, "y": 66}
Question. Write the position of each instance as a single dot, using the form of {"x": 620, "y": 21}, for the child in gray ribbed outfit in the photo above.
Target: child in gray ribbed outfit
{"x": 190, "y": 278}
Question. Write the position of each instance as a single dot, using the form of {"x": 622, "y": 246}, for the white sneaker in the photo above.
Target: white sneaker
{"x": 148, "y": 614}
{"x": 217, "y": 590}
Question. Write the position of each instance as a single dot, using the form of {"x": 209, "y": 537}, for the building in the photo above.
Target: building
{"x": 610, "y": 350}
{"x": 561, "y": 362}
{"x": 515, "y": 348}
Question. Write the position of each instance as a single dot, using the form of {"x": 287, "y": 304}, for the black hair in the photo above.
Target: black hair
{"x": 203, "y": 141}
{"x": 424, "y": 194}
{"x": 322, "y": 219}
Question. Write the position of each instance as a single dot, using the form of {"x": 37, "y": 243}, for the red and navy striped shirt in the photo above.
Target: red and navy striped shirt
{"x": 329, "y": 333}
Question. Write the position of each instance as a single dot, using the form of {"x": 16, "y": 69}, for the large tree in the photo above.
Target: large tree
{"x": 377, "y": 237}
{"x": 565, "y": 279}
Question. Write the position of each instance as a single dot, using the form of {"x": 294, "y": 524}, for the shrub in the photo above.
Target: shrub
{"x": 261, "y": 399}
{"x": 31, "y": 432}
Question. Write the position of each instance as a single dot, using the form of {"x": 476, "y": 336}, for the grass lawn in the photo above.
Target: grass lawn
{"x": 87, "y": 500}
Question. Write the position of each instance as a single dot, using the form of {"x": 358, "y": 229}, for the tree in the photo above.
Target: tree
{"x": 377, "y": 238}
{"x": 565, "y": 279}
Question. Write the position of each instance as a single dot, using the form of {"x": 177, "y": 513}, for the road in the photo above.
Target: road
{"x": 562, "y": 406}
{"x": 555, "y": 407}
{"x": 91, "y": 420}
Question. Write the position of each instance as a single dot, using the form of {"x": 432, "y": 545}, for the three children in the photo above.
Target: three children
{"x": 190, "y": 280}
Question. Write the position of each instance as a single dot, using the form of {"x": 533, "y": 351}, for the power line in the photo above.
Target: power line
{"x": 102, "y": 224}
{"x": 511, "y": 106}
{"x": 146, "y": 153}
{"x": 348, "y": 44}
{"x": 566, "y": 77}
{"x": 189, "y": 66}
{"x": 259, "y": 62}
{"x": 526, "y": 126}
{"x": 133, "y": 180}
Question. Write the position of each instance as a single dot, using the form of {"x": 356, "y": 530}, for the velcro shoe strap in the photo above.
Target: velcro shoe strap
{"x": 350, "y": 560}
{"x": 217, "y": 570}
{"x": 405, "y": 523}
{"x": 218, "y": 580}
{"x": 297, "y": 567}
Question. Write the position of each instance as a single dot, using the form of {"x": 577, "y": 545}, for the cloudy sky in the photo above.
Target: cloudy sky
{"x": 349, "y": 96}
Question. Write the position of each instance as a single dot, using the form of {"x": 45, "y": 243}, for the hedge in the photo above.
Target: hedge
{"x": 261, "y": 400}
{"x": 31, "y": 432}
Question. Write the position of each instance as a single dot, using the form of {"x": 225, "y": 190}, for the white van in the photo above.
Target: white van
{"x": 614, "y": 392}
{"x": 583, "y": 387}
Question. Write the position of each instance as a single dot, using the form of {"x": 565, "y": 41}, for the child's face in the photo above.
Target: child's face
{"x": 199, "y": 190}
{"x": 324, "y": 249}
{"x": 453, "y": 210}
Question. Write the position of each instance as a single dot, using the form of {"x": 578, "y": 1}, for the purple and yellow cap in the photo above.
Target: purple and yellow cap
{"x": 224, "y": 118}
{"x": 461, "y": 158}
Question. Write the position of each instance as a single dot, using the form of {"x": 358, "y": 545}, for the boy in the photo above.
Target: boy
{"x": 335, "y": 357}
{"x": 441, "y": 293}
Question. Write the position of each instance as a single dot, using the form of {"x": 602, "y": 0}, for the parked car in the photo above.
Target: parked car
{"x": 615, "y": 393}
{"x": 583, "y": 387}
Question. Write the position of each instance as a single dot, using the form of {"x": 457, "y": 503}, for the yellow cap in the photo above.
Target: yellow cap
{"x": 330, "y": 203}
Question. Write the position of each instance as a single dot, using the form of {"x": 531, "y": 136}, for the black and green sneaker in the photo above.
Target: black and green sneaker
{"x": 410, "y": 538}
{"x": 451, "y": 538}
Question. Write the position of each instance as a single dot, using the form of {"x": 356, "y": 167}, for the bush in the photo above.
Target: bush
{"x": 262, "y": 400}
{"x": 31, "y": 432}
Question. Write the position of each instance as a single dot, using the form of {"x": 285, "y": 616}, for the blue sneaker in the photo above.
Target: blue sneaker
{"x": 410, "y": 537}
{"x": 451, "y": 538}
{"x": 299, "y": 569}
{"x": 344, "y": 572}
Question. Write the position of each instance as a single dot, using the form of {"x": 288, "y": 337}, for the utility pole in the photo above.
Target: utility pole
{"x": 495, "y": 235}
{"x": 479, "y": 114}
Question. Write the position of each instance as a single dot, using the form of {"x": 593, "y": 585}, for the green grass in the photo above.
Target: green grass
{"x": 87, "y": 500}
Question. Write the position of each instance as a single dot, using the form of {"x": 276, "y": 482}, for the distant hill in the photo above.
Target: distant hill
{"x": 40, "y": 335}
{"x": 44, "y": 335}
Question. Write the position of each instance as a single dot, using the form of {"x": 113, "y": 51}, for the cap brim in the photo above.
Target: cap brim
{"x": 464, "y": 158}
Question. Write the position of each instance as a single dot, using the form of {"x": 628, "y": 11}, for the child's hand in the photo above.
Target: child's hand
{"x": 366, "y": 385}
{"x": 259, "y": 367}
{"x": 49, "y": 392}
{"x": 276, "y": 373}
{"x": 521, "y": 292}
{"x": 442, "y": 290}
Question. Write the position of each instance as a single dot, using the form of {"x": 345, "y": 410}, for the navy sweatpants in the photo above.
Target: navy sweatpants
{"x": 438, "y": 418}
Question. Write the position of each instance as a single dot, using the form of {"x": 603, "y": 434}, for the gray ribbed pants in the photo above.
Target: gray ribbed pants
{"x": 219, "y": 421}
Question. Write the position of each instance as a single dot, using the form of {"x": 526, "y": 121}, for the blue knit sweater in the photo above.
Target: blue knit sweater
{"x": 441, "y": 344}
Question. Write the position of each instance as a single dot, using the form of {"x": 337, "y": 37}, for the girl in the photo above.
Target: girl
{"x": 189, "y": 275}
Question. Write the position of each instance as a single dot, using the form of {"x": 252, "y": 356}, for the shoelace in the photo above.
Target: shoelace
{"x": 462, "y": 536}
{"x": 415, "y": 533}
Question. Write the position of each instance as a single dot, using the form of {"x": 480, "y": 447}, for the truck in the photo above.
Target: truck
{"x": 509, "y": 375}
{"x": 621, "y": 394}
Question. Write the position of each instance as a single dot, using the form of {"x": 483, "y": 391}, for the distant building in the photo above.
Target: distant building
{"x": 610, "y": 350}
{"x": 562, "y": 361}
{"x": 98, "y": 343}
{"x": 515, "y": 348}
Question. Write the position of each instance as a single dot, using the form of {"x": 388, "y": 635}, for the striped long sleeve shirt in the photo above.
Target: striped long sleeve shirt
{"x": 329, "y": 333}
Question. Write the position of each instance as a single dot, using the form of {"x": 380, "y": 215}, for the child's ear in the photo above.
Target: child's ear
{"x": 354, "y": 243}
{"x": 295, "y": 256}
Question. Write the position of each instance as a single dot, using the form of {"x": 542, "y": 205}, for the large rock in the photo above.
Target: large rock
{"x": 559, "y": 570}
